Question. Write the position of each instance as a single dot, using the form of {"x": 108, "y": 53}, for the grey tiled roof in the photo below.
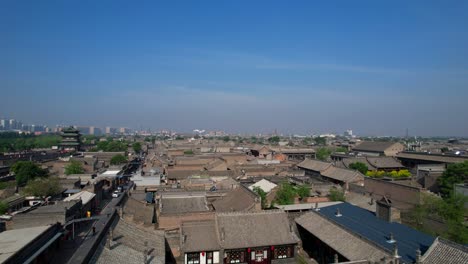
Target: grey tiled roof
{"x": 314, "y": 165}
{"x": 429, "y": 157}
{"x": 384, "y": 162}
{"x": 199, "y": 236}
{"x": 266, "y": 228}
{"x": 443, "y": 251}
{"x": 183, "y": 204}
{"x": 373, "y": 146}
{"x": 129, "y": 245}
{"x": 342, "y": 175}
{"x": 239, "y": 199}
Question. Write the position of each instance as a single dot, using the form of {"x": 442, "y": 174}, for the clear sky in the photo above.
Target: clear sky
{"x": 377, "y": 67}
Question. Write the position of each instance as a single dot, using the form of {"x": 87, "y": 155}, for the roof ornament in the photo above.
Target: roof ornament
{"x": 335, "y": 257}
{"x": 418, "y": 256}
{"x": 338, "y": 213}
{"x": 391, "y": 239}
{"x": 316, "y": 207}
{"x": 395, "y": 252}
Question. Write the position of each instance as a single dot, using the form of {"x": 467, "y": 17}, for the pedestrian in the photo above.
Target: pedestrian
{"x": 94, "y": 230}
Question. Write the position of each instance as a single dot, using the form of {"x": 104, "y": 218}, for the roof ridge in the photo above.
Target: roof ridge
{"x": 263, "y": 212}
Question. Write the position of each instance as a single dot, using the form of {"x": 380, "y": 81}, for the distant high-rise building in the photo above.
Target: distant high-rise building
{"x": 111, "y": 130}
{"x": 12, "y": 124}
{"x": 4, "y": 124}
{"x": 97, "y": 131}
{"x": 348, "y": 133}
{"x": 124, "y": 130}
{"x": 25, "y": 127}
{"x": 84, "y": 130}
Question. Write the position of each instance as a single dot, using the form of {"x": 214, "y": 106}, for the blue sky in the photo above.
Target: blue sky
{"x": 377, "y": 67}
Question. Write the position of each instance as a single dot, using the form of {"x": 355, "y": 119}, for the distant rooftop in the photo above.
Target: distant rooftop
{"x": 183, "y": 203}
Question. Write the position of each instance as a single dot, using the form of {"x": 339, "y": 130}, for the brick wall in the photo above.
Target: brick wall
{"x": 402, "y": 197}
{"x": 174, "y": 220}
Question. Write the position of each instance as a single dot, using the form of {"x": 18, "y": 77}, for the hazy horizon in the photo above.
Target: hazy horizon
{"x": 378, "y": 68}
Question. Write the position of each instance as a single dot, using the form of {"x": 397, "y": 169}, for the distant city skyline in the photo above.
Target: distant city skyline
{"x": 378, "y": 68}
{"x": 106, "y": 129}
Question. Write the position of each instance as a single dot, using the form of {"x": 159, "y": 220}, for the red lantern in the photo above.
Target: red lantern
{"x": 203, "y": 253}
{"x": 248, "y": 250}
{"x": 272, "y": 248}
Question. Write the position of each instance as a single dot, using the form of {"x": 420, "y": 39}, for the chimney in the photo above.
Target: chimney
{"x": 316, "y": 207}
{"x": 336, "y": 258}
{"x": 418, "y": 256}
{"x": 391, "y": 239}
{"x": 338, "y": 213}
{"x": 395, "y": 253}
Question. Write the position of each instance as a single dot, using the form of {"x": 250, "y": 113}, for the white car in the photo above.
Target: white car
{"x": 115, "y": 194}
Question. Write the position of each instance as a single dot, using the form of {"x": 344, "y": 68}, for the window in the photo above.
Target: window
{"x": 193, "y": 258}
{"x": 235, "y": 256}
{"x": 282, "y": 252}
{"x": 209, "y": 257}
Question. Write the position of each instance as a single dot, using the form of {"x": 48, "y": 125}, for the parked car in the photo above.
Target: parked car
{"x": 115, "y": 194}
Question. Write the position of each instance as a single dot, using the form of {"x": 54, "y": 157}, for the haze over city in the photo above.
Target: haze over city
{"x": 376, "y": 67}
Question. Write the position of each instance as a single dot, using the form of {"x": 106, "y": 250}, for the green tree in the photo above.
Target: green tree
{"x": 307, "y": 141}
{"x": 320, "y": 141}
{"x": 112, "y": 146}
{"x": 7, "y": 184}
{"x": 303, "y": 191}
{"x": 12, "y": 141}
{"x": 376, "y": 174}
{"x": 359, "y": 166}
{"x": 262, "y": 195}
{"x": 274, "y": 140}
{"x": 226, "y": 138}
{"x": 74, "y": 167}
{"x": 336, "y": 195}
{"x": 43, "y": 187}
{"x": 455, "y": 173}
{"x": 449, "y": 210}
{"x": 285, "y": 194}
{"x": 341, "y": 149}
{"x": 137, "y": 147}
{"x": 403, "y": 174}
{"x": 188, "y": 152}
{"x": 3, "y": 207}
{"x": 27, "y": 170}
{"x": 323, "y": 154}
{"x": 118, "y": 159}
